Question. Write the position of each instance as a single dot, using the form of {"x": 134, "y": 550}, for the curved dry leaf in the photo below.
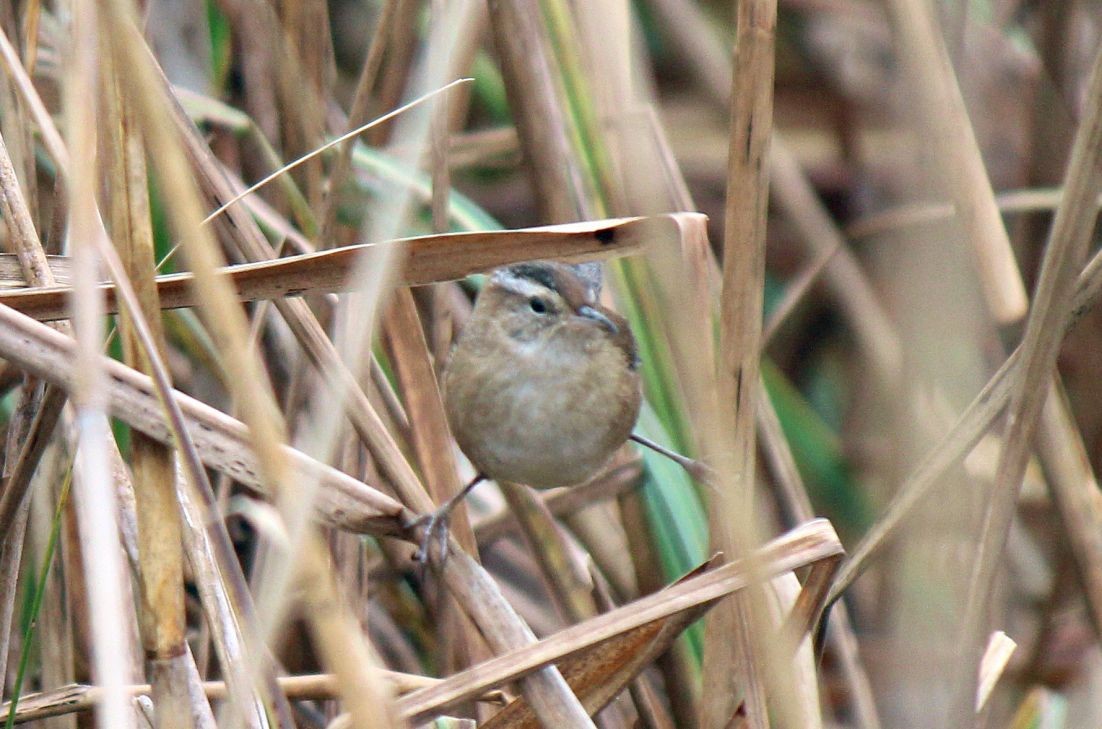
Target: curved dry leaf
{"x": 430, "y": 259}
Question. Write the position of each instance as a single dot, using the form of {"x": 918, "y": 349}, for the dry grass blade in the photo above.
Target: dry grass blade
{"x": 431, "y": 259}
{"x": 999, "y": 649}
{"x": 110, "y": 603}
{"x": 812, "y": 542}
{"x": 532, "y": 84}
{"x": 1076, "y": 494}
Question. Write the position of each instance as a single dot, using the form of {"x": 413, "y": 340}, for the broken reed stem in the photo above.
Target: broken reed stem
{"x": 1065, "y": 251}
{"x": 733, "y": 658}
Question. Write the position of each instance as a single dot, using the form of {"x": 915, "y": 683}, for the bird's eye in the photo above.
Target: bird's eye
{"x": 537, "y": 305}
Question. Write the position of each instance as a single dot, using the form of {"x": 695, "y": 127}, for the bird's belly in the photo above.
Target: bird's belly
{"x": 543, "y": 433}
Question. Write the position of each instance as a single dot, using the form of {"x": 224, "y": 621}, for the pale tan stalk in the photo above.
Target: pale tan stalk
{"x": 942, "y": 115}
{"x": 431, "y": 441}
{"x": 734, "y": 661}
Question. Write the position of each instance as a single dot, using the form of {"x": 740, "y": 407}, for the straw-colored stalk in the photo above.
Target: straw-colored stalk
{"x": 733, "y": 658}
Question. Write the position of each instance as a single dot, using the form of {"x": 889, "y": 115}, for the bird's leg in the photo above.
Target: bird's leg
{"x": 699, "y": 470}
{"x": 437, "y": 523}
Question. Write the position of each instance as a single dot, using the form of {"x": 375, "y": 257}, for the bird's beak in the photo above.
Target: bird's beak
{"x": 588, "y": 312}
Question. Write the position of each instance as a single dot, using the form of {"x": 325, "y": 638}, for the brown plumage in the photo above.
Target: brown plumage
{"x": 543, "y": 385}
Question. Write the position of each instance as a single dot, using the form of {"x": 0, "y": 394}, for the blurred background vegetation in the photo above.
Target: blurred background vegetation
{"x": 879, "y": 326}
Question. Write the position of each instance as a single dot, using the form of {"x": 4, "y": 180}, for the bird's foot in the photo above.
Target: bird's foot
{"x": 435, "y": 524}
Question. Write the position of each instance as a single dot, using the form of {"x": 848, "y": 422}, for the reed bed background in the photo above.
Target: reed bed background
{"x": 240, "y": 238}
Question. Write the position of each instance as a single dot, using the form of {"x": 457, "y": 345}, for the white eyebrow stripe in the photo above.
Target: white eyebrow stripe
{"x": 518, "y": 284}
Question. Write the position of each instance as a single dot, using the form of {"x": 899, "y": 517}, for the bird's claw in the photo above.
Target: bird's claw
{"x": 435, "y": 525}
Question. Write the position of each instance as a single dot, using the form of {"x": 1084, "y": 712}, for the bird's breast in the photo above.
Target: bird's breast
{"x": 537, "y": 417}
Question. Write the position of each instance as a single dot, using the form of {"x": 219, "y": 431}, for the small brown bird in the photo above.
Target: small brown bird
{"x": 543, "y": 385}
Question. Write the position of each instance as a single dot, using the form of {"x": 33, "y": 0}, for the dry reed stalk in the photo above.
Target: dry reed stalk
{"x": 530, "y": 75}
{"x": 892, "y": 219}
{"x": 398, "y": 70}
{"x": 438, "y": 129}
{"x": 306, "y": 70}
{"x": 734, "y": 661}
{"x": 940, "y": 109}
{"x": 81, "y": 697}
{"x": 431, "y": 441}
{"x": 160, "y": 548}
{"x": 1065, "y": 461}
{"x": 1065, "y": 252}
{"x": 563, "y": 568}
{"x": 430, "y": 437}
